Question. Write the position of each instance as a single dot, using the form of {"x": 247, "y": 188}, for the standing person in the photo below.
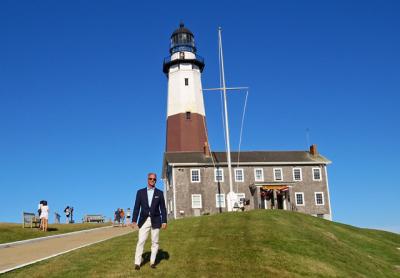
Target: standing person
{"x": 67, "y": 211}
{"x": 117, "y": 217}
{"x": 122, "y": 216}
{"x": 44, "y": 216}
{"x": 153, "y": 215}
{"x": 39, "y": 212}
{"x": 128, "y": 216}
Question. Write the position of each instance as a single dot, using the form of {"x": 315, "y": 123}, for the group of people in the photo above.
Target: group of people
{"x": 43, "y": 211}
{"x": 119, "y": 216}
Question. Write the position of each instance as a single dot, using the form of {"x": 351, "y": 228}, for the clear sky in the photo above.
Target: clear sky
{"x": 83, "y": 96}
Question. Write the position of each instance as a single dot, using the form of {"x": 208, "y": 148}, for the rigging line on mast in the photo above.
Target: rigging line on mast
{"x": 241, "y": 126}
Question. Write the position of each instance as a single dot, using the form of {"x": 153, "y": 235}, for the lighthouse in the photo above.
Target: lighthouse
{"x": 186, "y": 123}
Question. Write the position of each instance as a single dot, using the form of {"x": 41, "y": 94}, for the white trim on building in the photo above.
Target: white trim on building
{"x": 278, "y": 174}
{"x": 219, "y": 175}
{"x": 195, "y": 178}
{"x": 319, "y": 201}
{"x": 260, "y": 175}
{"x": 196, "y": 201}
{"x": 300, "y": 174}
{"x": 239, "y": 175}
{"x": 298, "y": 203}
{"x": 316, "y": 174}
{"x": 220, "y": 200}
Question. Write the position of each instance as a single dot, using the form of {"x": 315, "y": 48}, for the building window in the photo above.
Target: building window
{"x": 319, "y": 198}
{"x": 220, "y": 200}
{"x": 299, "y": 198}
{"x": 278, "y": 174}
{"x": 239, "y": 175}
{"x": 316, "y": 174}
{"x": 258, "y": 174}
{"x": 297, "y": 176}
{"x": 219, "y": 175}
{"x": 188, "y": 115}
{"x": 186, "y": 81}
{"x": 195, "y": 175}
{"x": 196, "y": 201}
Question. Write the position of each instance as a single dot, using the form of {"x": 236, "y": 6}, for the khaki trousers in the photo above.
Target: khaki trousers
{"x": 143, "y": 234}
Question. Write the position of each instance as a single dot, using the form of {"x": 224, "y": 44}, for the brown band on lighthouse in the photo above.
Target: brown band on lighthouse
{"x": 186, "y": 133}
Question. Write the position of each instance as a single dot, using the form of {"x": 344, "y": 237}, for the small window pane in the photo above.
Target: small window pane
{"x": 195, "y": 175}
{"x": 186, "y": 81}
{"x": 196, "y": 201}
{"x": 319, "y": 199}
{"x": 317, "y": 174}
{"x": 259, "y": 175}
{"x": 219, "y": 175}
{"x": 239, "y": 175}
{"x": 220, "y": 200}
{"x": 297, "y": 174}
{"x": 299, "y": 199}
{"x": 278, "y": 174}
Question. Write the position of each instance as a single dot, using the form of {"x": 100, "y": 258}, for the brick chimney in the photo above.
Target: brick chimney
{"x": 206, "y": 150}
{"x": 313, "y": 150}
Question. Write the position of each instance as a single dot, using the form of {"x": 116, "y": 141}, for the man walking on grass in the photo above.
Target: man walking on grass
{"x": 153, "y": 216}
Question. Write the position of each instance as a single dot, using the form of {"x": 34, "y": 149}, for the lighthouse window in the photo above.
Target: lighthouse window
{"x": 188, "y": 115}
{"x": 186, "y": 81}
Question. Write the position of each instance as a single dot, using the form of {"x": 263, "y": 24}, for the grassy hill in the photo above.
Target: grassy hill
{"x": 251, "y": 244}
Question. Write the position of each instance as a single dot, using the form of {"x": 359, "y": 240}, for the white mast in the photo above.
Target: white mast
{"x": 231, "y": 196}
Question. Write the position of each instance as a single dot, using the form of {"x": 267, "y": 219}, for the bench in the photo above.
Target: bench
{"x": 29, "y": 219}
{"x": 89, "y": 218}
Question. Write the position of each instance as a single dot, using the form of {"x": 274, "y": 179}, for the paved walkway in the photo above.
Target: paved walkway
{"x": 13, "y": 256}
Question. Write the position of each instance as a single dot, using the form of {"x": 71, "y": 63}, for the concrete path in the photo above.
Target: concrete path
{"x": 13, "y": 256}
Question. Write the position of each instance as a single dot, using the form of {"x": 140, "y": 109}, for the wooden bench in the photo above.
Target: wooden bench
{"x": 89, "y": 218}
{"x": 29, "y": 219}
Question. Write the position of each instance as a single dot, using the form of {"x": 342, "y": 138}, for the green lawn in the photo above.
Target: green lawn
{"x": 251, "y": 244}
{"x": 10, "y": 232}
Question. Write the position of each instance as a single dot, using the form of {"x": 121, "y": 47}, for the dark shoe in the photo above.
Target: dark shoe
{"x": 137, "y": 267}
{"x": 153, "y": 265}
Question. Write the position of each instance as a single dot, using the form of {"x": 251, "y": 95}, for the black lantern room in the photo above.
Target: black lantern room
{"x": 182, "y": 39}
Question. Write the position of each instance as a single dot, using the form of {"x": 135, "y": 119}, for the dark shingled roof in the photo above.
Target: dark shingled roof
{"x": 247, "y": 157}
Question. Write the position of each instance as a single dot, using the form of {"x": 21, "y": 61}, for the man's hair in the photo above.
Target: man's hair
{"x": 149, "y": 174}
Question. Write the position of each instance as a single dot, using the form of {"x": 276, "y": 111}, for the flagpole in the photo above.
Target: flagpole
{"x": 231, "y": 197}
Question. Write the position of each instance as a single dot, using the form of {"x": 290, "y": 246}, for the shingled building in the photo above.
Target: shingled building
{"x": 196, "y": 180}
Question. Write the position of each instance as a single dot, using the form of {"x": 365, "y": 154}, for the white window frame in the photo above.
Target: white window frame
{"x": 320, "y": 173}
{"x": 301, "y": 174}
{"x": 323, "y": 198}
{"x": 295, "y": 197}
{"x": 222, "y": 204}
{"x": 191, "y": 175}
{"x": 201, "y": 201}
{"x": 280, "y": 169}
{"x": 239, "y": 169}
{"x": 262, "y": 174}
{"x": 222, "y": 175}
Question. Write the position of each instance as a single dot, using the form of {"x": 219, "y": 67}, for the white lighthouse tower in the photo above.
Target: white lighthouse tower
{"x": 186, "y": 128}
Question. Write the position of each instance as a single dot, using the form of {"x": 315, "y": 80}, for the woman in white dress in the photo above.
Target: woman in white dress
{"x": 44, "y": 217}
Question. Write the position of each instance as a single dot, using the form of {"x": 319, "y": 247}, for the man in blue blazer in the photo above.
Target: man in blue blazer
{"x": 153, "y": 216}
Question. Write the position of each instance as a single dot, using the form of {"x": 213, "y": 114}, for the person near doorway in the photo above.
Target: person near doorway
{"x": 153, "y": 216}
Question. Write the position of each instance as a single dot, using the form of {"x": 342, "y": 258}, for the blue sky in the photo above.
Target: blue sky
{"x": 83, "y": 96}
